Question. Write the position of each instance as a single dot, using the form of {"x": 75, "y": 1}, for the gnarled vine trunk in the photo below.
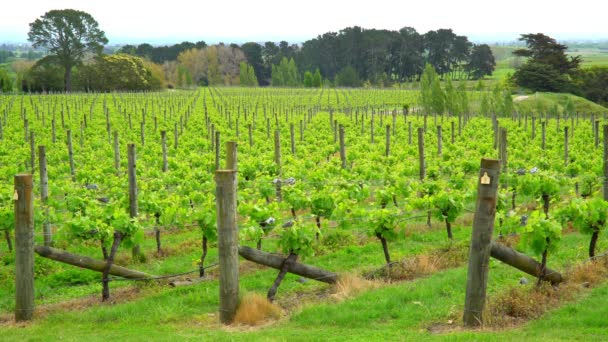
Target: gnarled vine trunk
{"x": 105, "y": 292}
{"x": 275, "y": 286}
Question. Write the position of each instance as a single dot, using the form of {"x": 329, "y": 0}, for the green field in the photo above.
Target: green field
{"x": 423, "y": 299}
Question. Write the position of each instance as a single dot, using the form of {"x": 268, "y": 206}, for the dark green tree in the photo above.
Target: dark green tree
{"x": 592, "y": 83}
{"x": 481, "y": 62}
{"x": 253, "y": 53}
{"x": 6, "y": 82}
{"x": 548, "y": 68}
{"x": 540, "y": 77}
{"x": 317, "y": 80}
{"x": 348, "y": 77}
{"x": 68, "y": 35}
{"x": 308, "y": 79}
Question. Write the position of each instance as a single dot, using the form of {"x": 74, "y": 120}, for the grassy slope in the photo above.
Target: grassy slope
{"x": 548, "y": 100}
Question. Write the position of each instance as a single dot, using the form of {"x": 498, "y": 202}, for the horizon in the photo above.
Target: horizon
{"x": 267, "y": 21}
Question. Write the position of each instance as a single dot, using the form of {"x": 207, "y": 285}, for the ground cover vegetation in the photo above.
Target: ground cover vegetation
{"x": 398, "y": 238}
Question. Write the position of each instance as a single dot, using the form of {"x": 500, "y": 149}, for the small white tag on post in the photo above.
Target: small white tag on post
{"x": 485, "y": 179}
{"x": 16, "y": 195}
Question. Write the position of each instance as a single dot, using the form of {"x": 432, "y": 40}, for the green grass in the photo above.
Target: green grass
{"x": 403, "y": 310}
{"x": 549, "y": 100}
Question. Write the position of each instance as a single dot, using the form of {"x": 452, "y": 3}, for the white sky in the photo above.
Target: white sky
{"x": 295, "y": 21}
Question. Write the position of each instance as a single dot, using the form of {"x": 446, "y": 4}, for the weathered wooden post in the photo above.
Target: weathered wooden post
{"x": 24, "y": 247}
{"x": 277, "y": 160}
{"x": 566, "y": 146}
{"x": 481, "y": 243}
{"x": 231, "y": 155}
{"x": 71, "y": 155}
{"x": 225, "y": 181}
{"x": 439, "y": 140}
{"x": 388, "y": 141}
{"x": 342, "y": 147}
{"x": 44, "y": 195}
{"x": 163, "y": 142}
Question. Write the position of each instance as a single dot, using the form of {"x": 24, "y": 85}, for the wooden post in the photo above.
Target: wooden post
{"x": 342, "y": 147}
{"x": 544, "y": 134}
{"x": 24, "y": 247}
{"x": 421, "y": 153}
{"x": 439, "y": 140}
{"x": 175, "y": 136}
{"x": 116, "y": 153}
{"x": 277, "y": 160}
{"x": 227, "y": 243}
{"x": 44, "y": 195}
{"x": 163, "y": 142}
{"x": 566, "y": 146}
{"x": 133, "y": 203}
{"x": 53, "y": 135}
{"x": 388, "y": 140}
{"x": 143, "y": 133}
{"x": 372, "y": 128}
{"x": 71, "y": 155}
{"x": 231, "y": 155}
{"x": 481, "y": 241}
{"x": 533, "y": 127}
{"x": 217, "y": 150}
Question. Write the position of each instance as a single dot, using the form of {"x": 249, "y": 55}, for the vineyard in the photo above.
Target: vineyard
{"x": 363, "y": 203}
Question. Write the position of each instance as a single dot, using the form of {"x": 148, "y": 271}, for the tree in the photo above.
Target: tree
{"x": 481, "y": 62}
{"x": 253, "y": 53}
{"x": 6, "y": 82}
{"x": 247, "y": 75}
{"x": 308, "y": 79}
{"x": 592, "y": 83}
{"x": 68, "y": 35}
{"x": 348, "y": 77}
{"x": 317, "y": 80}
{"x": 548, "y": 68}
{"x": 540, "y": 77}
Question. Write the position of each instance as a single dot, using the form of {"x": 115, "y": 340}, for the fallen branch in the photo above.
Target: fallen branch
{"x": 276, "y": 261}
{"x": 88, "y": 263}
{"x": 523, "y": 262}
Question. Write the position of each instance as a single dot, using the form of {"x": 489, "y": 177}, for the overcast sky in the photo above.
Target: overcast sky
{"x": 295, "y": 21}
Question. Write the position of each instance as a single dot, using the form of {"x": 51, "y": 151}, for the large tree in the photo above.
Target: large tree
{"x": 481, "y": 62}
{"x": 548, "y": 68}
{"x": 68, "y": 35}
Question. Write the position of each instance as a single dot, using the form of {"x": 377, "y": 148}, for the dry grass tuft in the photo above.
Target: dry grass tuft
{"x": 520, "y": 304}
{"x": 422, "y": 265}
{"x": 350, "y": 285}
{"x": 255, "y": 309}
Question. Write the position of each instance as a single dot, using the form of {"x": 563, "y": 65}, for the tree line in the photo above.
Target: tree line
{"x": 347, "y": 58}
